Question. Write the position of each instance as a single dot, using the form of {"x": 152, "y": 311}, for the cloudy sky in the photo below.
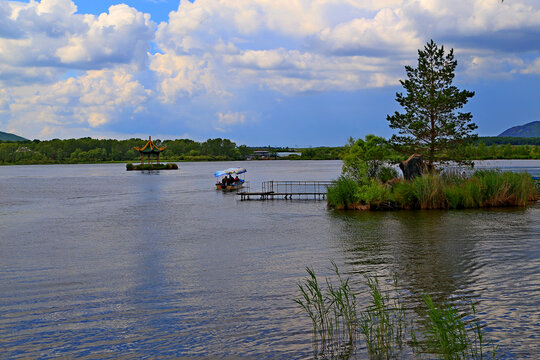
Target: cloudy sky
{"x": 259, "y": 72}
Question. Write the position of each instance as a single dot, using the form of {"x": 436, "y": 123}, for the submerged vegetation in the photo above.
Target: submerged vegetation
{"x": 483, "y": 188}
{"x": 388, "y": 330}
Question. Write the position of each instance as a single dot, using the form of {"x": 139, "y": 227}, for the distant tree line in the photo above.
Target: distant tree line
{"x": 322, "y": 153}
{"x": 503, "y": 140}
{"x": 482, "y": 151}
{"x": 88, "y": 150}
{"x": 478, "y": 150}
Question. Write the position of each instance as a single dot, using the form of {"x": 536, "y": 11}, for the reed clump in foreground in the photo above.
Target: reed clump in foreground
{"x": 333, "y": 314}
{"x": 484, "y": 188}
{"x": 337, "y": 325}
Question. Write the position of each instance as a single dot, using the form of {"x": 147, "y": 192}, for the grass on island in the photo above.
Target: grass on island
{"x": 484, "y": 188}
{"x": 338, "y": 326}
{"x": 169, "y": 166}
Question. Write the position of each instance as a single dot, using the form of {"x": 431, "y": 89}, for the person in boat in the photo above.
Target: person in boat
{"x": 236, "y": 179}
{"x": 230, "y": 180}
{"x": 224, "y": 182}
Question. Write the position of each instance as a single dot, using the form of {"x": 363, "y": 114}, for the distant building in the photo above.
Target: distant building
{"x": 262, "y": 153}
{"x": 259, "y": 154}
{"x": 287, "y": 153}
{"x": 265, "y": 154}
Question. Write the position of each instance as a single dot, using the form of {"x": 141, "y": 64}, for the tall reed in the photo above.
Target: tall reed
{"x": 522, "y": 186}
{"x": 429, "y": 191}
{"x": 449, "y": 190}
{"x": 447, "y": 334}
{"x": 342, "y": 193}
{"x": 403, "y": 195}
{"x": 454, "y": 197}
{"x": 443, "y": 332}
{"x": 383, "y": 322}
{"x": 333, "y": 315}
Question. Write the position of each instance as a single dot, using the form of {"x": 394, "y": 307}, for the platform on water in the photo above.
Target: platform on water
{"x": 280, "y": 189}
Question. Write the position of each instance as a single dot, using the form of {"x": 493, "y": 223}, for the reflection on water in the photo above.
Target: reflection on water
{"x": 489, "y": 257}
{"x": 406, "y": 242}
{"x": 97, "y": 262}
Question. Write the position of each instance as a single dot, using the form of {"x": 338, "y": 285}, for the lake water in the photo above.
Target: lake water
{"x": 100, "y": 263}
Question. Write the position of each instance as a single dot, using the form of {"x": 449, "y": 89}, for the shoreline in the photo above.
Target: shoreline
{"x": 227, "y": 160}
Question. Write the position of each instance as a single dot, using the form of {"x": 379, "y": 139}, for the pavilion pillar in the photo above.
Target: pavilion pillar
{"x": 157, "y": 159}
{"x": 142, "y": 158}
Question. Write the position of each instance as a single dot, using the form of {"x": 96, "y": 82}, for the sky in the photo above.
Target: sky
{"x": 293, "y": 73}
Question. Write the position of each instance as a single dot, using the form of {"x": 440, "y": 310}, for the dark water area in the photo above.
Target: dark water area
{"x": 100, "y": 263}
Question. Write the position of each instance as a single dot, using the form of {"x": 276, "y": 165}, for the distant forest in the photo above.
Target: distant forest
{"x": 503, "y": 140}
{"x": 88, "y": 150}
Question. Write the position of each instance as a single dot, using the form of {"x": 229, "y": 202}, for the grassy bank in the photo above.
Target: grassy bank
{"x": 141, "y": 167}
{"x": 484, "y": 188}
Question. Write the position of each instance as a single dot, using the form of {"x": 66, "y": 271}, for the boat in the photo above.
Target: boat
{"x": 223, "y": 175}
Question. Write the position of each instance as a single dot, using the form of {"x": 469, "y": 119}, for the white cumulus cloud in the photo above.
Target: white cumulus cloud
{"x": 121, "y": 36}
{"x": 231, "y": 118}
{"x": 91, "y": 100}
{"x": 50, "y": 34}
{"x": 533, "y": 67}
{"x": 62, "y": 69}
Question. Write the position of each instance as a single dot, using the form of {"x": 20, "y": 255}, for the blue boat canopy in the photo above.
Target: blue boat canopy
{"x": 237, "y": 170}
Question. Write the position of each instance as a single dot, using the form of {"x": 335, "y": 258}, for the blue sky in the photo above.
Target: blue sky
{"x": 259, "y": 72}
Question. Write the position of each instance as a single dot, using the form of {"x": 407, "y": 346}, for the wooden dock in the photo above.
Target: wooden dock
{"x": 315, "y": 190}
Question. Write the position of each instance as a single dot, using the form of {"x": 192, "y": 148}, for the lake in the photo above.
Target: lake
{"x": 97, "y": 262}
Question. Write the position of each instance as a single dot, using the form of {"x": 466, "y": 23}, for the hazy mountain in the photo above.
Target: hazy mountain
{"x": 10, "y": 137}
{"x": 531, "y": 129}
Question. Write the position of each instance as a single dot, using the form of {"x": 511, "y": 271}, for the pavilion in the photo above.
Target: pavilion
{"x": 150, "y": 149}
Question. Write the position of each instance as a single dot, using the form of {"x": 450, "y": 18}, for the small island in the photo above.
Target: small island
{"x": 149, "y": 150}
{"x": 438, "y": 175}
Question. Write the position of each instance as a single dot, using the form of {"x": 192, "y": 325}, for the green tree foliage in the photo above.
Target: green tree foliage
{"x": 322, "y": 153}
{"x": 482, "y": 151}
{"x": 498, "y": 140}
{"x": 430, "y": 125}
{"x": 215, "y": 147}
{"x": 88, "y": 150}
{"x": 364, "y": 158}
{"x": 484, "y": 188}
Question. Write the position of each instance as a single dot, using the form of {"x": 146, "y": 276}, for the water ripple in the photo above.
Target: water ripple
{"x": 98, "y": 263}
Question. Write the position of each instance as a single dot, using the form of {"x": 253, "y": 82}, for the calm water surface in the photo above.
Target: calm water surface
{"x": 100, "y": 263}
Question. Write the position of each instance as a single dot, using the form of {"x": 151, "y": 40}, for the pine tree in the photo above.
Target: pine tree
{"x": 430, "y": 125}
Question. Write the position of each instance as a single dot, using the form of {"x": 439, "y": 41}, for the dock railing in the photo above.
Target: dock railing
{"x": 246, "y": 187}
{"x": 287, "y": 189}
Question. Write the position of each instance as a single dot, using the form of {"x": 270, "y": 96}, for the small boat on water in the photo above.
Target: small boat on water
{"x": 228, "y": 179}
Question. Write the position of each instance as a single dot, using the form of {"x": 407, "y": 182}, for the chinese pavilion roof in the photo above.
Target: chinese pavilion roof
{"x": 150, "y": 147}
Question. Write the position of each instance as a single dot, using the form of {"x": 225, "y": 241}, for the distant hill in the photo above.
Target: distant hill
{"x": 531, "y": 129}
{"x": 10, "y": 137}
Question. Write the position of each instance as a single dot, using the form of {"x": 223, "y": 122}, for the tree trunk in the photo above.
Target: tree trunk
{"x": 412, "y": 167}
